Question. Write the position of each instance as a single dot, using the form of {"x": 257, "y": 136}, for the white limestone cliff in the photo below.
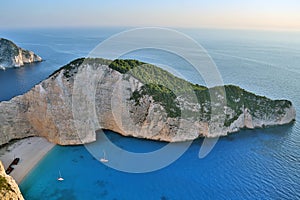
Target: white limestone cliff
{"x": 13, "y": 56}
{"x": 69, "y": 106}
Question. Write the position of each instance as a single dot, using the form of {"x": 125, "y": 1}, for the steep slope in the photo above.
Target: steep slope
{"x": 8, "y": 187}
{"x": 13, "y": 56}
{"x": 136, "y": 99}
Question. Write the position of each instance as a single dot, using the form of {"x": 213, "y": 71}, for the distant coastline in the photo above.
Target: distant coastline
{"x": 13, "y": 56}
{"x": 258, "y": 163}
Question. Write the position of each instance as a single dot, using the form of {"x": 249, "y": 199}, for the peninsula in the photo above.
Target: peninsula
{"x": 13, "y": 56}
{"x": 135, "y": 99}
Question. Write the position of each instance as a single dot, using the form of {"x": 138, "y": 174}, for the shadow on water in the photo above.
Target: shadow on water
{"x": 280, "y": 131}
{"x": 101, "y": 183}
{"x": 269, "y": 136}
{"x": 62, "y": 194}
{"x": 163, "y": 198}
{"x": 129, "y": 143}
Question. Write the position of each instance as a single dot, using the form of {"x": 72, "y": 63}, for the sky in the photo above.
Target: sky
{"x": 253, "y": 14}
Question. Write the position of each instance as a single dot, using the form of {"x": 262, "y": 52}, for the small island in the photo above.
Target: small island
{"x": 135, "y": 99}
{"x": 13, "y": 56}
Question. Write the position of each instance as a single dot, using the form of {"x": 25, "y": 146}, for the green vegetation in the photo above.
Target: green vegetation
{"x": 71, "y": 68}
{"x": 164, "y": 87}
{"x": 158, "y": 83}
{"x": 150, "y": 74}
{"x": 160, "y": 94}
{"x": 124, "y": 66}
{"x": 238, "y": 99}
{"x": 4, "y": 185}
{"x": 68, "y": 67}
{"x": 8, "y": 49}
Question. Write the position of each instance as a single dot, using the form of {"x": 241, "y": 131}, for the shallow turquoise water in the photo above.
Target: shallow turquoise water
{"x": 258, "y": 164}
{"x": 251, "y": 164}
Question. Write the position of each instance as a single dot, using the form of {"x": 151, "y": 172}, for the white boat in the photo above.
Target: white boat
{"x": 103, "y": 159}
{"x": 60, "y": 178}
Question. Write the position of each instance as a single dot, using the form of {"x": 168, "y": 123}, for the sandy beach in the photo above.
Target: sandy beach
{"x": 29, "y": 150}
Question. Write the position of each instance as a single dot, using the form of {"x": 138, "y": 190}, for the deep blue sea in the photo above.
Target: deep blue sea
{"x": 252, "y": 164}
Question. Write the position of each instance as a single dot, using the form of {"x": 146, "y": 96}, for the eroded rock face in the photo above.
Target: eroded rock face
{"x": 8, "y": 187}
{"x": 70, "y": 105}
{"x": 13, "y": 56}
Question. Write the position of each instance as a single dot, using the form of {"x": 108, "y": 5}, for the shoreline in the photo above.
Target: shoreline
{"x": 30, "y": 151}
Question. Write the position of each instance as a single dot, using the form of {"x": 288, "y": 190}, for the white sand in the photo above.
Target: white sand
{"x": 29, "y": 150}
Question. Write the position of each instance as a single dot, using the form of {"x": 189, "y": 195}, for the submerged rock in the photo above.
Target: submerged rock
{"x": 13, "y": 56}
{"x": 133, "y": 99}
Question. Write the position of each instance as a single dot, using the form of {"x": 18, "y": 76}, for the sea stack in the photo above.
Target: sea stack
{"x": 13, "y": 56}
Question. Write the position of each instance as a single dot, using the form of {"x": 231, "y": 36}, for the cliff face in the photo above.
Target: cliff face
{"x": 80, "y": 98}
{"x": 8, "y": 186}
{"x": 13, "y": 56}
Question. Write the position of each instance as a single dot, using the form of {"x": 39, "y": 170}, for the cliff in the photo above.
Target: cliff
{"x": 8, "y": 186}
{"x": 134, "y": 99}
{"x": 13, "y": 56}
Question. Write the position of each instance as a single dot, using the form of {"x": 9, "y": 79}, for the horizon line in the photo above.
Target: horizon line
{"x": 171, "y": 27}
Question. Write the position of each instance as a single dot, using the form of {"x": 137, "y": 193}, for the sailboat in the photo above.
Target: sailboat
{"x": 104, "y": 160}
{"x": 60, "y": 178}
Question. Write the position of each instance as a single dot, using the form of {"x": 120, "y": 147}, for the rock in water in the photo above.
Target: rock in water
{"x": 134, "y": 99}
{"x": 8, "y": 186}
{"x": 13, "y": 56}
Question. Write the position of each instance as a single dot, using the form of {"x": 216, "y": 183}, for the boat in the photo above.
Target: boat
{"x": 9, "y": 170}
{"x": 103, "y": 159}
{"x": 16, "y": 161}
{"x": 60, "y": 178}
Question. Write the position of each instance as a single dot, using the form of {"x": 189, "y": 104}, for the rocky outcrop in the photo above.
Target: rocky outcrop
{"x": 89, "y": 95}
{"x": 13, "y": 56}
{"x": 8, "y": 187}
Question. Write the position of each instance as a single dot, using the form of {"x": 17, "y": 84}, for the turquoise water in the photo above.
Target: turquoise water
{"x": 256, "y": 164}
{"x": 249, "y": 165}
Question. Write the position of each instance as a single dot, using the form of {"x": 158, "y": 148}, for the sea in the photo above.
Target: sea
{"x": 250, "y": 164}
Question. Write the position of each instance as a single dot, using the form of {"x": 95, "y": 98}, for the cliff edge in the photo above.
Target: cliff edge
{"x": 134, "y": 99}
{"x": 13, "y": 56}
{"x": 8, "y": 186}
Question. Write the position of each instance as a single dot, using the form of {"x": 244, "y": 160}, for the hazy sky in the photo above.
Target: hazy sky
{"x": 274, "y": 14}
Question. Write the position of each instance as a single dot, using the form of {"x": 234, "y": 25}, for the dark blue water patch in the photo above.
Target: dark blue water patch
{"x": 56, "y": 46}
{"x": 247, "y": 166}
{"x": 251, "y": 164}
{"x": 16, "y": 81}
{"x": 132, "y": 144}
